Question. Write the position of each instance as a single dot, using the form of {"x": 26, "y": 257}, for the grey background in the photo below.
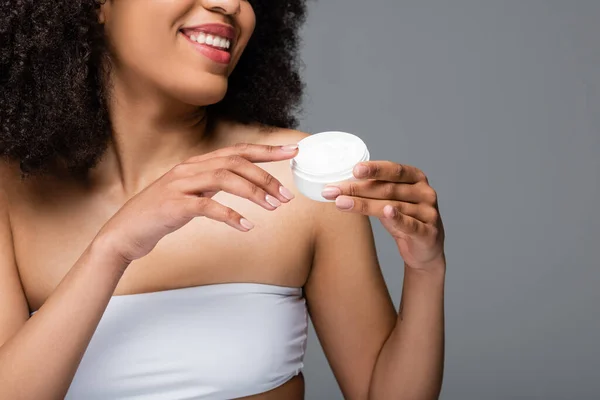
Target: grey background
{"x": 498, "y": 102}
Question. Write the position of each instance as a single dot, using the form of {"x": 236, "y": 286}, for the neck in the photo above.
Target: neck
{"x": 150, "y": 134}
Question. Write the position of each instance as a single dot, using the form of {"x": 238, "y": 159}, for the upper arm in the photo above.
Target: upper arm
{"x": 14, "y": 310}
{"x": 348, "y": 299}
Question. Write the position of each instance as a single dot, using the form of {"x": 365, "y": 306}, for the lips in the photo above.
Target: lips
{"x": 214, "y": 41}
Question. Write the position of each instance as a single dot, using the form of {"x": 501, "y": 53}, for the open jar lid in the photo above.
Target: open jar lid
{"x": 329, "y": 153}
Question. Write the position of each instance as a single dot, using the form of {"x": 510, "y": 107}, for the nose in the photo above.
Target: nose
{"x": 227, "y": 7}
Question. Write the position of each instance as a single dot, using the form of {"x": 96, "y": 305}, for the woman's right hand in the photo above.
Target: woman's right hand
{"x": 186, "y": 192}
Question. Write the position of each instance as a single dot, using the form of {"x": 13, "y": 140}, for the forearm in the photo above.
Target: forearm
{"x": 40, "y": 360}
{"x": 410, "y": 365}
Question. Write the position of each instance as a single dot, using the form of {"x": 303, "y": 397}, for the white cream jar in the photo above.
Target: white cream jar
{"x": 325, "y": 158}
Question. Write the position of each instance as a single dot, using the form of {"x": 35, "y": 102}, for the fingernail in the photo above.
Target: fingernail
{"x": 246, "y": 224}
{"x": 285, "y": 192}
{"x": 344, "y": 203}
{"x": 361, "y": 170}
{"x": 331, "y": 192}
{"x": 273, "y": 201}
{"x": 389, "y": 211}
{"x": 289, "y": 148}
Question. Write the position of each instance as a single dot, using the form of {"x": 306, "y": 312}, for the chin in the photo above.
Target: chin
{"x": 203, "y": 93}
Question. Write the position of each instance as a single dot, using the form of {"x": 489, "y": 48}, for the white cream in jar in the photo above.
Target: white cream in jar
{"x": 325, "y": 158}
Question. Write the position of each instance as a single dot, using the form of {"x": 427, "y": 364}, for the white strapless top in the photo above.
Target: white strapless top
{"x": 209, "y": 342}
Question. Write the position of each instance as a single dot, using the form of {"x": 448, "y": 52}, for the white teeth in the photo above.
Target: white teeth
{"x": 211, "y": 40}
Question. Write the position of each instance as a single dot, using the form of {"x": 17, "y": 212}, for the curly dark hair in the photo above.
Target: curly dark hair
{"x": 53, "y": 102}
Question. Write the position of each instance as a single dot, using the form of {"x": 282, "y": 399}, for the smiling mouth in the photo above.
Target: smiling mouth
{"x": 214, "y": 40}
{"x": 213, "y": 35}
{"x": 207, "y": 39}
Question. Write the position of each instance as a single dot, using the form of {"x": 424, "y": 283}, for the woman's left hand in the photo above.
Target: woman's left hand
{"x": 400, "y": 196}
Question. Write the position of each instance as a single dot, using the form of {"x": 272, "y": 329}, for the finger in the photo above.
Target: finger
{"x": 256, "y": 153}
{"x": 224, "y": 180}
{"x": 243, "y": 168}
{"x": 407, "y": 224}
{"x": 388, "y": 171}
{"x": 202, "y": 206}
{"x": 376, "y": 208}
{"x": 374, "y": 190}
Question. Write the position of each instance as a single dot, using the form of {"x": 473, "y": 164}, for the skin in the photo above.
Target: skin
{"x": 160, "y": 156}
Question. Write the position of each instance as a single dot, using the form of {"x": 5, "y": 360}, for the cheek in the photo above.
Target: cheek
{"x": 138, "y": 45}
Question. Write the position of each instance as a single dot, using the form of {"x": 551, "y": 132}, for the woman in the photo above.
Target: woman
{"x": 125, "y": 118}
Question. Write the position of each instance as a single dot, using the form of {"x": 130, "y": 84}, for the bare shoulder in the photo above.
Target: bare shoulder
{"x": 281, "y": 136}
{"x": 262, "y": 134}
{"x": 231, "y": 132}
{"x": 13, "y": 302}
{"x": 10, "y": 180}
{"x": 14, "y": 188}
